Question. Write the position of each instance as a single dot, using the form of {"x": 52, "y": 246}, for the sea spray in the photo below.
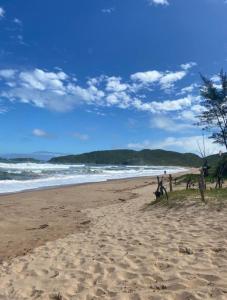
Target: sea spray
{"x": 16, "y": 177}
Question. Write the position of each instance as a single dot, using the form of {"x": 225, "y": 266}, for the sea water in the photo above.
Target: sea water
{"x": 15, "y": 177}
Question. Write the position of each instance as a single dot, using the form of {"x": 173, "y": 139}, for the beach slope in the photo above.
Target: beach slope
{"x": 127, "y": 250}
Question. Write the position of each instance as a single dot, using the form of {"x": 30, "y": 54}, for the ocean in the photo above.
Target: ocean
{"x": 15, "y": 177}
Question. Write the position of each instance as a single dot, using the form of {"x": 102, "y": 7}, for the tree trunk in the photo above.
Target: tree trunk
{"x": 170, "y": 183}
{"x": 202, "y": 187}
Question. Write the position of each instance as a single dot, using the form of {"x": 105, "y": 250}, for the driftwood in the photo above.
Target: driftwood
{"x": 219, "y": 178}
{"x": 161, "y": 190}
{"x": 219, "y": 182}
{"x": 170, "y": 183}
{"x": 188, "y": 184}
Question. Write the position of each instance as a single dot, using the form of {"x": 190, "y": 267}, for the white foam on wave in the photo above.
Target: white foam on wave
{"x": 36, "y": 166}
{"x": 9, "y": 186}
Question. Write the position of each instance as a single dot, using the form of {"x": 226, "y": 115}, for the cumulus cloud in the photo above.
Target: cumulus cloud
{"x": 192, "y": 113}
{"x": 147, "y": 77}
{"x": 114, "y": 84}
{"x": 188, "y": 89}
{"x": 159, "y": 2}
{"x": 189, "y": 65}
{"x": 164, "y": 106}
{"x": 41, "y": 80}
{"x": 164, "y": 79}
{"x": 2, "y": 12}
{"x": 182, "y": 144}
{"x": 51, "y": 90}
{"x": 61, "y": 92}
{"x": 170, "y": 78}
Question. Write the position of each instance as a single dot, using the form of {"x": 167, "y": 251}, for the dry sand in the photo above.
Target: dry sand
{"x": 129, "y": 250}
{"x": 30, "y": 219}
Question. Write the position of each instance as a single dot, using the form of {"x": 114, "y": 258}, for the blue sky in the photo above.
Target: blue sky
{"x": 88, "y": 75}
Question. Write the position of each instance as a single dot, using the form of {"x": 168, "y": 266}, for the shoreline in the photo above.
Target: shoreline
{"x": 95, "y": 182}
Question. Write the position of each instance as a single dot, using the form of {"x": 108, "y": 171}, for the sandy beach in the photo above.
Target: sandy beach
{"x": 113, "y": 150}
{"x": 104, "y": 241}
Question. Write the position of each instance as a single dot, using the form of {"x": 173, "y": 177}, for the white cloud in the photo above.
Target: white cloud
{"x": 40, "y": 133}
{"x": 197, "y": 108}
{"x": 170, "y": 78}
{"x": 188, "y": 89}
{"x": 41, "y": 80}
{"x": 51, "y": 90}
{"x": 147, "y": 77}
{"x": 2, "y": 13}
{"x": 189, "y": 65}
{"x": 169, "y": 124}
{"x": 216, "y": 79}
{"x": 165, "y": 79}
{"x": 188, "y": 115}
{"x": 191, "y": 113}
{"x": 114, "y": 84}
{"x": 182, "y": 144}
{"x": 159, "y": 2}
{"x": 7, "y": 73}
{"x": 112, "y": 99}
{"x": 164, "y": 106}
{"x": 61, "y": 92}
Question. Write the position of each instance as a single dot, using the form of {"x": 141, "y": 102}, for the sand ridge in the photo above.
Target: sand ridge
{"x": 130, "y": 253}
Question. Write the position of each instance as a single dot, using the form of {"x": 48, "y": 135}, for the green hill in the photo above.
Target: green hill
{"x": 131, "y": 157}
{"x": 214, "y": 159}
{"x": 19, "y": 160}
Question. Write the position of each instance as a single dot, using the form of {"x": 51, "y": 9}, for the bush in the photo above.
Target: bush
{"x": 221, "y": 167}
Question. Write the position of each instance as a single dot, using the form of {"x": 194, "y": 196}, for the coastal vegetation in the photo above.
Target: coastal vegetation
{"x": 214, "y": 101}
{"x": 208, "y": 184}
{"x": 131, "y": 157}
{"x": 143, "y": 157}
{"x": 216, "y": 198}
